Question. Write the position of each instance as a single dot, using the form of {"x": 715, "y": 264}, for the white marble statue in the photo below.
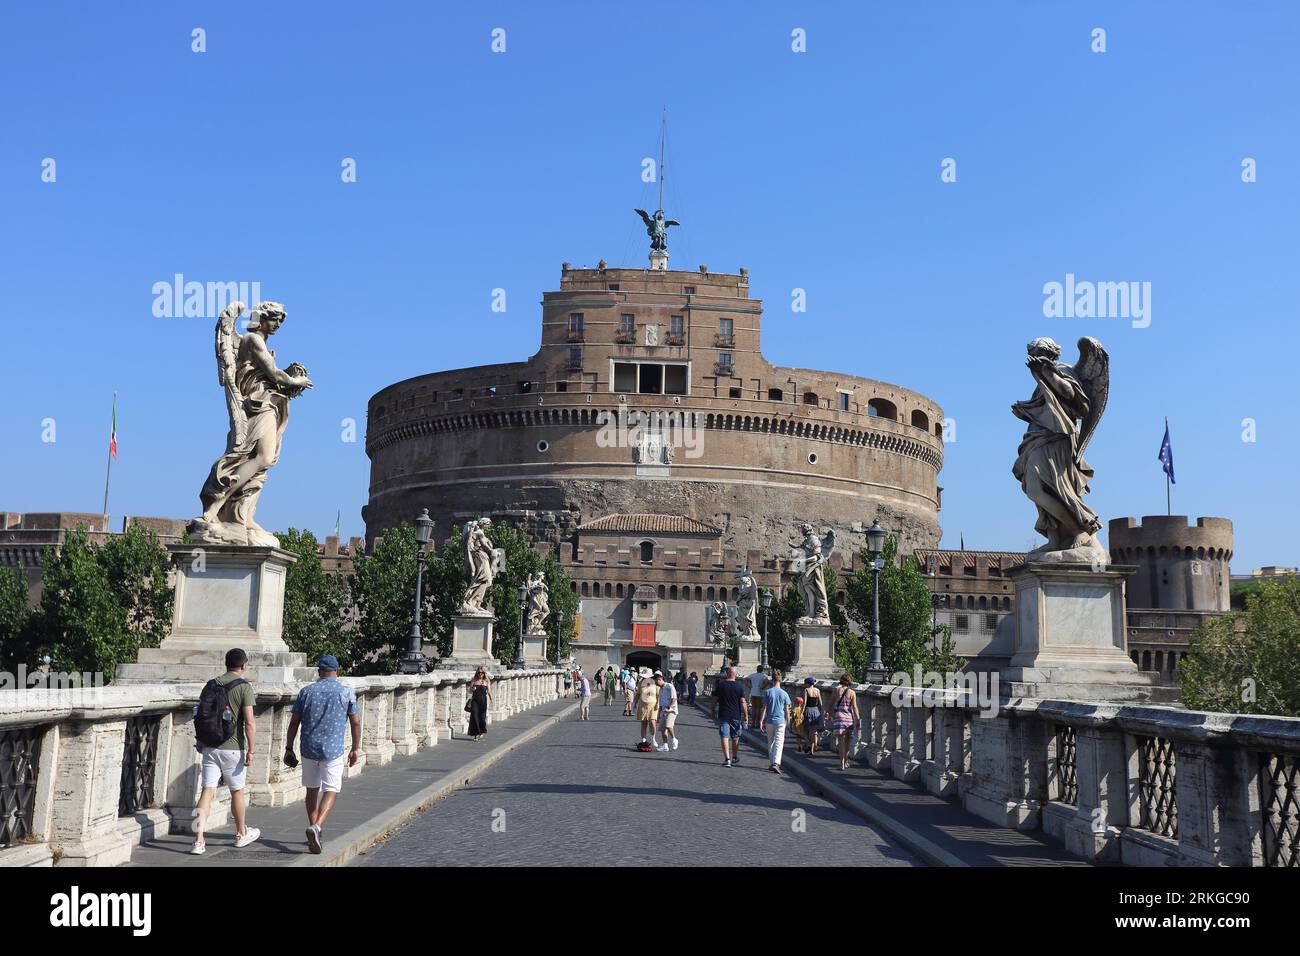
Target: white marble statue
{"x": 747, "y": 607}
{"x": 257, "y": 402}
{"x": 539, "y": 603}
{"x": 807, "y": 561}
{"x": 482, "y": 563}
{"x": 718, "y": 623}
{"x": 1062, "y": 416}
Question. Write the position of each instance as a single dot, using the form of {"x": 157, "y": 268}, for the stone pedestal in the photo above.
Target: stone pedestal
{"x": 814, "y": 654}
{"x": 535, "y": 650}
{"x": 471, "y": 644}
{"x": 750, "y": 653}
{"x": 226, "y": 596}
{"x": 1070, "y": 636}
{"x": 658, "y": 260}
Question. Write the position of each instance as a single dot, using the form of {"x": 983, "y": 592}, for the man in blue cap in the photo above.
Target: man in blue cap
{"x": 321, "y": 709}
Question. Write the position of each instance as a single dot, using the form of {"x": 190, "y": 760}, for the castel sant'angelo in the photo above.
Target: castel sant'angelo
{"x": 652, "y": 444}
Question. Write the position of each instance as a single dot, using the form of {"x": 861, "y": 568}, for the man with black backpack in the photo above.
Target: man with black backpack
{"x": 225, "y": 731}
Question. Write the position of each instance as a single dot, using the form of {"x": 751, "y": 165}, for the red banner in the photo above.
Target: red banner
{"x": 643, "y": 635}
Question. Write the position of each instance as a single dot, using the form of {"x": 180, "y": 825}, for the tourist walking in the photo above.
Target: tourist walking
{"x": 647, "y": 702}
{"x": 730, "y": 710}
{"x": 844, "y": 717}
{"x": 776, "y": 713}
{"x": 812, "y": 715}
{"x": 584, "y": 697}
{"x": 692, "y": 684}
{"x": 480, "y": 699}
{"x": 600, "y": 679}
{"x": 611, "y": 684}
{"x": 667, "y": 713}
{"x": 757, "y": 681}
{"x": 226, "y": 735}
{"x": 321, "y": 709}
{"x": 629, "y": 692}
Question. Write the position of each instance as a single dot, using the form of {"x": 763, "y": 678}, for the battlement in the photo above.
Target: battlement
{"x": 1209, "y": 538}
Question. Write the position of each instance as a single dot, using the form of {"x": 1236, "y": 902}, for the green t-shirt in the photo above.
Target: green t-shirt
{"x": 242, "y": 696}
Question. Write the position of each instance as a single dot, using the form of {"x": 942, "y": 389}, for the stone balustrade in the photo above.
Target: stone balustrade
{"x": 93, "y": 771}
{"x": 1118, "y": 784}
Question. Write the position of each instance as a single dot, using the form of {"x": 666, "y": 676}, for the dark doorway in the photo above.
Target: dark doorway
{"x": 645, "y": 659}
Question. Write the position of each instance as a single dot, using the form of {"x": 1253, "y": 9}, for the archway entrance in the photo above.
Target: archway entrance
{"x": 645, "y": 659}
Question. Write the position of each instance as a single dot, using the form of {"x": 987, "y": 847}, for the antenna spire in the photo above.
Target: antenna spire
{"x": 663, "y": 136}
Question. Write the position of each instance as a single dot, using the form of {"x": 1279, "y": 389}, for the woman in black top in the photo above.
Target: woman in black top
{"x": 812, "y": 715}
{"x": 480, "y": 691}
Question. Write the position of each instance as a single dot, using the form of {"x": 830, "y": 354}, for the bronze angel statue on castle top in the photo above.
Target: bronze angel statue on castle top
{"x": 1062, "y": 416}
{"x": 257, "y": 402}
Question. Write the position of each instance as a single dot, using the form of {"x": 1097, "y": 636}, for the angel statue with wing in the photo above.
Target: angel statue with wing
{"x": 807, "y": 561}
{"x": 747, "y": 606}
{"x": 539, "y": 603}
{"x": 1062, "y": 416}
{"x": 656, "y": 227}
{"x": 482, "y": 563}
{"x": 257, "y": 401}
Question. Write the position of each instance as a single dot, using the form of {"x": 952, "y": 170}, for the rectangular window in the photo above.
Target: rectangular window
{"x": 627, "y": 322}
{"x": 724, "y": 359}
{"x": 575, "y": 356}
{"x": 844, "y": 401}
{"x": 677, "y": 325}
{"x": 575, "y": 321}
{"x": 733, "y": 392}
{"x": 674, "y": 379}
{"x": 990, "y": 622}
{"x": 624, "y": 377}
{"x": 561, "y": 386}
{"x": 613, "y": 287}
{"x": 688, "y": 290}
{"x": 963, "y": 622}
{"x": 652, "y": 379}
{"x": 726, "y": 327}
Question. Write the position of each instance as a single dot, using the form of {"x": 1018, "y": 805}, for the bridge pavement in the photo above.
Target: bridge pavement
{"x": 581, "y": 795}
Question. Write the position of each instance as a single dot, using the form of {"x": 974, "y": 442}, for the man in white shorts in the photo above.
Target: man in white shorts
{"x": 225, "y": 714}
{"x": 321, "y": 709}
{"x": 667, "y": 712}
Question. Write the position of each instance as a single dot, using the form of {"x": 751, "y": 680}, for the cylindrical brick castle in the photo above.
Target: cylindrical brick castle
{"x": 649, "y": 394}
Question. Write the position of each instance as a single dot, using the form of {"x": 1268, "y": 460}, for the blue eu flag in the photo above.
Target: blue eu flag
{"x": 1167, "y": 455}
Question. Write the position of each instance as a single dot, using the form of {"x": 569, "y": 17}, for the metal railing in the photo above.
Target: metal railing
{"x": 139, "y": 765}
{"x": 1279, "y": 803}
{"x": 1067, "y": 777}
{"x": 1157, "y": 787}
{"x": 20, "y": 759}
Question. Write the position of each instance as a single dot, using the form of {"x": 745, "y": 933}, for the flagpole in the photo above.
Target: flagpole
{"x": 1169, "y": 507}
{"x": 108, "y": 473}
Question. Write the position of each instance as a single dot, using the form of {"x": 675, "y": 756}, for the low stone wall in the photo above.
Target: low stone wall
{"x": 1117, "y": 784}
{"x": 97, "y": 770}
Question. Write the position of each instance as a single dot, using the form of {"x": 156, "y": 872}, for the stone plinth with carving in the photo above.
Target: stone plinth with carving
{"x": 535, "y": 650}
{"x": 814, "y": 654}
{"x": 471, "y": 643}
{"x": 226, "y": 596}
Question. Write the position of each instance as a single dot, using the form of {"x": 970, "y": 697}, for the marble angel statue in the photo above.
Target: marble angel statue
{"x": 807, "y": 561}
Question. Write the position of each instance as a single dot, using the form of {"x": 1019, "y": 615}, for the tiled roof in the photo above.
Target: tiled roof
{"x": 649, "y": 524}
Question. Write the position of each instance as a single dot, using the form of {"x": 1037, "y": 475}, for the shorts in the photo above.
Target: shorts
{"x": 586, "y": 700}
{"x": 227, "y": 764}
{"x": 666, "y": 720}
{"x": 730, "y": 729}
{"x": 756, "y": 706}
{"x": 326, "y": 775}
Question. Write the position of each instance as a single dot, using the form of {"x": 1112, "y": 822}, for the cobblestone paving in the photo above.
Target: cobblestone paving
{"x": 580, "y": 794}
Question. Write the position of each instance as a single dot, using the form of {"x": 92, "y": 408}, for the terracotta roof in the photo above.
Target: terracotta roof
{"x": 649, "y": 524}
{"x": 966, "y": 558}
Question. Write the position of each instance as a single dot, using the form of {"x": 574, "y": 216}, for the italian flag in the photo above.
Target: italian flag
{"x": 112, "y": 435}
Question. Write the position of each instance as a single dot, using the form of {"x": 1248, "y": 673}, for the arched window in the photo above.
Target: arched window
{"x": 883, "y": 408}
{"x": 699, "y": 593}
{"x": 647, "y": 551}
{"x": 920, "y": 420}
{"x": 775, "y": 395}
{"x": 810, "y": 398}
{"x": 672, "y": 592}
{"x": 618, "y": 590}
{"x": 586, "y": 589}
{"x": 661, "y": 592}
{"x": 709, "y": 594}
{"x": 609, "y": 590}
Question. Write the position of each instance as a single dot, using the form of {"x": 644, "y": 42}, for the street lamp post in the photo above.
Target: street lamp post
{"x": 559, "y": 634}
{"x": 765, "y": 599}
{"x": 875, "y": 547}
{"x": 518, "y": 663}
{"x": 413, "y": 661}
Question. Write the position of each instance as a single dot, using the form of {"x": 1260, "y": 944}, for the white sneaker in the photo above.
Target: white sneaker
{"x": 663, "y": 748}
{"x": 251, "y": 835}
{"x": 674, "y": 743}
{"x": 198, "y": 849}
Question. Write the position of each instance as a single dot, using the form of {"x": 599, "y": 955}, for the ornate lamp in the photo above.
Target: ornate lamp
{"x": 876, "y": 536}
{"x": 518, "y": 663}
{"x": 765, "y": 600}
{"x": 413, "y": 661}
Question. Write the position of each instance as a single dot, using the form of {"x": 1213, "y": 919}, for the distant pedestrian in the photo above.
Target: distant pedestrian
{"x": 647, "y": 703}
{"x": 667, "y": 713}
{"x": 226, "y": 735}
{"x": 629, "y": 692}
{"x": 584, "y": 697}
{"x": 730, "y": 710}
{"x": 321, "y": 709}
{"x": 600, "y": 679}
{"x": 568, "y": 682}
{"x": 776, "y": 713}
{"x": 480, "y": 699}
{"x": 844, "y": 717}
{"x": 691, "y": 684}
{"x": 611, "y": 684}
{"x": 812, "y": 715}
{"x": 757, "y": 681}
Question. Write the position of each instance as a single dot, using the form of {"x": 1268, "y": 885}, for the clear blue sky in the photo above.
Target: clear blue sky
{"x": 817, "y": 170}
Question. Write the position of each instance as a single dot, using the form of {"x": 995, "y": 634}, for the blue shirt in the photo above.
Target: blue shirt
{"x": 776, "y": 700}
{"x": 324, "y": 708}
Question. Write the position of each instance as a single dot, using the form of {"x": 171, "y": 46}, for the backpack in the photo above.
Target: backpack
{"x": 214, "y": 721}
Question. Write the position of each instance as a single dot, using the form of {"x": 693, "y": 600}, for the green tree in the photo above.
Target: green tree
{"x": 1248, "y": 663}
{"x": 382, "y": 586}
{"x": 16, "y": 621}
{"x": 908, "y": 636}
{"x": 316, "y": 606}
{"x": 101, "y": 604}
